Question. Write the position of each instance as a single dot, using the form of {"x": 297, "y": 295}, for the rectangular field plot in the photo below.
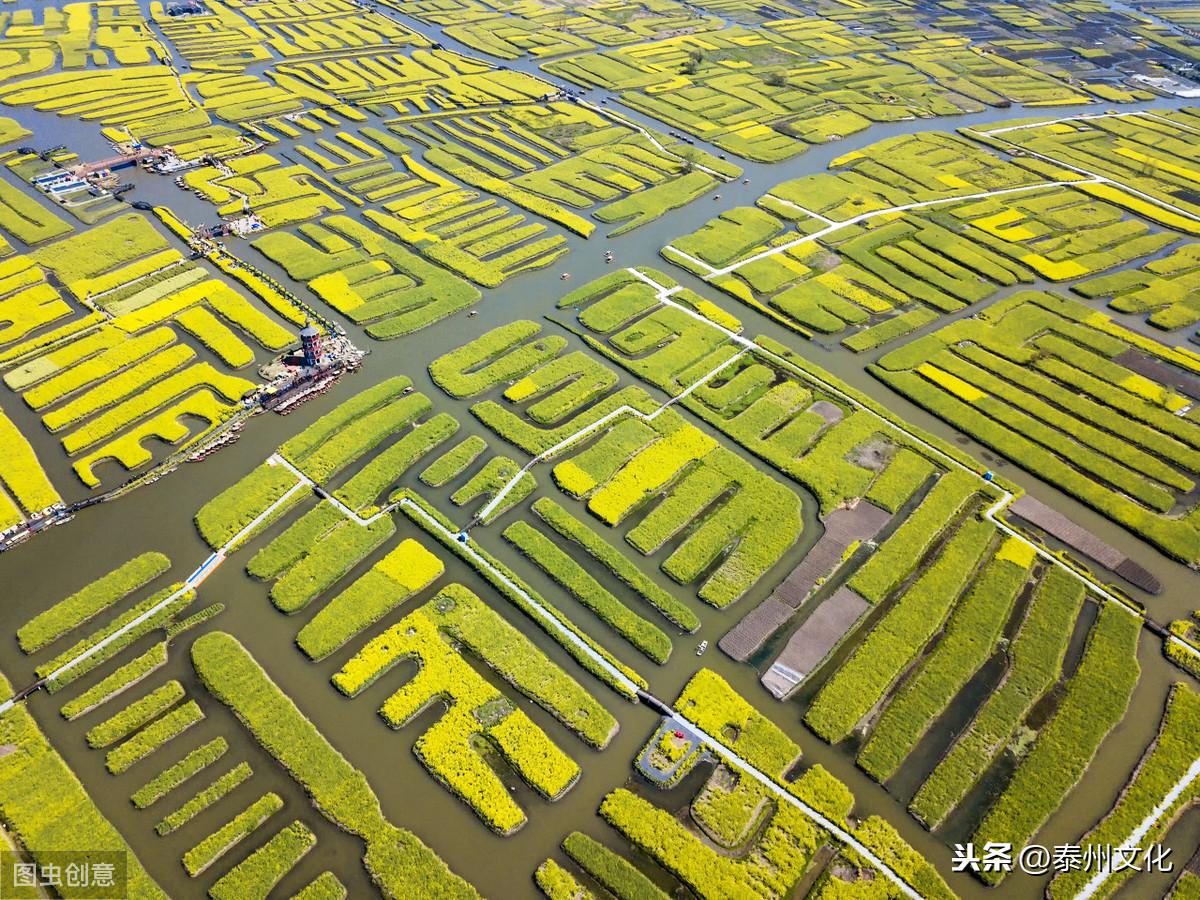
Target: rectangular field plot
{"x": 122, "y": 373}
{"x": 950, "y": 592}
{"x": 372, "y": 419}
{"x": 398, "y": 862}
{"x": 110, "y": 59}
{"x": 469, "y": 233}
{"x": 682, "y": 344}
{"x": 750, "y": 92}
{"x": 373, "y": 281}
{"x": 196, "y": 788}
{"x": 360, "y": 161}
{"x": 903, "y": 524}
{"x": 1149, "y": 157}
{"x": 511, "y": 38}
{"x": 725, "y": 522}
{"x": 27, "y": 490}
{"x": 420, "y": 82}
{"x": 937, "y": 632}
{"x": 1095, "y": 699}
{"x": 991, "y": 79}
{"x": 856, "y": 246}
{"x": 477, "y": 712}
{"x": 30, "y": 305}
{"x": 357, "y": 159}
{"x": 279, "y": 195}
{"x": 908, "y": 229}
{"x": 1167, "y": 289}
{"x": 461, "y": 229}
{"x": 236, "y": 98}
{"x": 1094, "y": 409}
{"x": 738, "y": 836}
{"x": 690, "y": 487}
{"x": 228, "y": 39}
{"x": 544, "y": 31}
{"x": 1167, "y": 761}
{"x": 555, "y": 158}
{"x": 27, "y": 219}
{"x": 917, "y": 168}
{"x": 113, "y": 97}
{"x": 862, "y": 275}
{"x": 767, "y": 93}
{"x": 49, "y": 806}
{"x": 220, "y": 39}
{"x": 1059, "y": 233}
{"x": 906, "y": 627}
{"x": 137, "y": 88}
{"x": 93, "y": 34}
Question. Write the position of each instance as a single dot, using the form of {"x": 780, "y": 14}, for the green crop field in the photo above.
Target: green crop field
{"x": 631, "y": 448}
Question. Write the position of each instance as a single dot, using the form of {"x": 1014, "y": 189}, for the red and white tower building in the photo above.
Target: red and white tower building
{"x": 310, "y": 344}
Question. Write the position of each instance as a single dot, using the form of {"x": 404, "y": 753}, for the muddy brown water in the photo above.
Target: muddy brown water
{"x": 158, "y": 517}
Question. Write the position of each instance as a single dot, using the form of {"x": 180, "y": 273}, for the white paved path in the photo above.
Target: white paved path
{"x": 1135, "y": 837}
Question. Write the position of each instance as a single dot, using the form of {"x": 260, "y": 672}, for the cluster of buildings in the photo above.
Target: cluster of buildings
{"x": 294, "y": 379}
{"x": 186, "y": 8}
{"x": 69, "y": 185}
{"x": 22, "y": 531}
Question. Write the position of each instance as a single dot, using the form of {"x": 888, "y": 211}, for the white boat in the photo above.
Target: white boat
{"x": 703, "y": 646}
